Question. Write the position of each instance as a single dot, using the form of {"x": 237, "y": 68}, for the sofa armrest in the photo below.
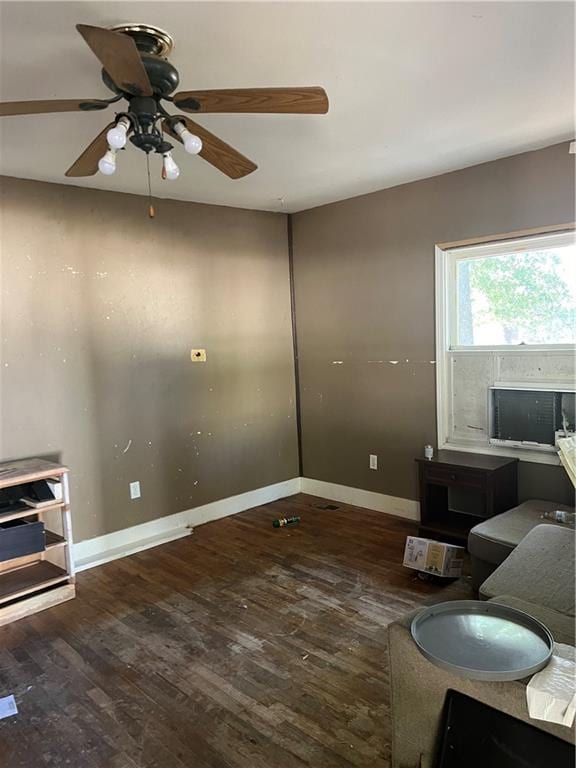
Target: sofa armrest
{"x": 540, "y": 570}
{"x": 417, "y": 692}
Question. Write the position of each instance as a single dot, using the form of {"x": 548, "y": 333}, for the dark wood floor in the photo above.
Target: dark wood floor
{"x": 242, "y": 646}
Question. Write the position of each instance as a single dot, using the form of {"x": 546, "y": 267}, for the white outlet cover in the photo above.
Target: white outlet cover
{"x": 135, "y": 492}
{"x": 373, "y": 461}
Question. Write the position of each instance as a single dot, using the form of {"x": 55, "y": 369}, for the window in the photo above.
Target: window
{"x": 513, "y": 293}
{"x": 505, "y": 343}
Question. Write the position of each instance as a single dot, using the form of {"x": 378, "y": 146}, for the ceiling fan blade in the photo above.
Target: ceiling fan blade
{"x": 308, "y": 101}
{"x": 119, "y": 56}
{"x": 215, "y": 151}
{"x": 87, "y": 163}
{"x": 8, "y": 108}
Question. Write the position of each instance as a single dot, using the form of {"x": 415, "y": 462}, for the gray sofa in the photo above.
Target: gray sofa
{"x": 490, "y": 542}
{"x": 538, "y": 578}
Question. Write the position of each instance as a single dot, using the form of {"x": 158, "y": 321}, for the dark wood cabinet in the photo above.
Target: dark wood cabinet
{"x": 459, "y": 490}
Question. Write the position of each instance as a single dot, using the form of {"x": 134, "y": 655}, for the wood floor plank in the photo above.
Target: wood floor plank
{"x": 242, "y": 646}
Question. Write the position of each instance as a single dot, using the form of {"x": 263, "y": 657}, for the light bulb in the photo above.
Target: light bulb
{"x": 192, "y": 143}
{"x": 107, "y": 164}
{"x": 171, "y": 170}
{"x": 116, "y": 136}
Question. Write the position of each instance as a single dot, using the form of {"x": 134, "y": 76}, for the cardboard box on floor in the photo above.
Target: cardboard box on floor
{"x": 434, "y": 557}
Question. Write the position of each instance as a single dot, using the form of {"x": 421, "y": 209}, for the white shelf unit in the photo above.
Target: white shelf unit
{"x": 40, "y": 580}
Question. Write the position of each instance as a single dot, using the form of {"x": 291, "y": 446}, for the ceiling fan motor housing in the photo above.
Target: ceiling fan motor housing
{"x": 163, "y": 76}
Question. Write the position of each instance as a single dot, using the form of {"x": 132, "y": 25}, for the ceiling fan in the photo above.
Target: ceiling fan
{"x": 136, "y": 68}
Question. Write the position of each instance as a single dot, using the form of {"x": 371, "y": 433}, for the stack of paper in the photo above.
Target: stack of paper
{"x": 567, "y": 454}
{"x": 551, "y": 693}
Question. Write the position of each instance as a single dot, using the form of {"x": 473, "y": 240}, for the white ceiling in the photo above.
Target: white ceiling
{"x": 416, "y": 89}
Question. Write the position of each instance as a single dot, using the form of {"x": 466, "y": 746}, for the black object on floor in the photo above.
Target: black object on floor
{"x": 477, "y": 736}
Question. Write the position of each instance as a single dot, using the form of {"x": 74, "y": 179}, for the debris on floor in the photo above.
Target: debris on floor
{"x": 283, "y": 521}
{"x": 8, "y": 707}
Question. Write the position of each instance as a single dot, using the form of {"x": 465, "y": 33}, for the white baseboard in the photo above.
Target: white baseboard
{"x": 111, "y": 546}
{"x": 128, "y": 541}
{"x": 380, "y": 502}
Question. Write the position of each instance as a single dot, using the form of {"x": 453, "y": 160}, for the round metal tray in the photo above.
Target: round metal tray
{"x": 482, "y": 641}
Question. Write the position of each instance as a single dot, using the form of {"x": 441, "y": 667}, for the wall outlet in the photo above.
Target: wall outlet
{"x": 198, "y": 355}
{"x": 373, "y": 461}
{"x": 135, "y": 492}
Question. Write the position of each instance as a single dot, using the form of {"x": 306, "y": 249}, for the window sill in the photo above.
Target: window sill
{"x": 515, "y": 348}
{"x": 523, "y": 454}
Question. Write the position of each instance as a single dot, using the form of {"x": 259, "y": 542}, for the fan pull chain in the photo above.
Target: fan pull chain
{"x": 151, "y": 211}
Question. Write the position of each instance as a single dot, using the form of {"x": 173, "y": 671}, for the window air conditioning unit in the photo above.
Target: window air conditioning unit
{"x": 530, "y": 418}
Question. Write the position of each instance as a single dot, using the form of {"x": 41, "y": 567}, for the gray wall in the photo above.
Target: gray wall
{"x": 100, "y": 308}
{"x": 364, "y": 278}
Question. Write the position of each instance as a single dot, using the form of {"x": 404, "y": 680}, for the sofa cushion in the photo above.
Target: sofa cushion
{"x": 560, "y": 625}
{"x": 540, "y": 570}
{"x": 492, "y": 540}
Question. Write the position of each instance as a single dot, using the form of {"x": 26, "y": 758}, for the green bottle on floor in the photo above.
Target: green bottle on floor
{"x": 286, "y": 521}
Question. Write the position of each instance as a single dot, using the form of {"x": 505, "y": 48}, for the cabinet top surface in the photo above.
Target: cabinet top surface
{"x": 478, "y": 461}
{"x": 28, "y": 470}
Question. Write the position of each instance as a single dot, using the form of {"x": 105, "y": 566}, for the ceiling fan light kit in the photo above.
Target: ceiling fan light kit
{"x": 117, "y": 136}
{"x": 136, "y": 69}
{"x": 107, "y": 163}
{"x": 170, "y": 170}
{"x": 192, "y": 143}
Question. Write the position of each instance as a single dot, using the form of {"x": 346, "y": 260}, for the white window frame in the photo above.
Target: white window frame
{"x": 446, "y": 258}
{"x": 454, "y": 255}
